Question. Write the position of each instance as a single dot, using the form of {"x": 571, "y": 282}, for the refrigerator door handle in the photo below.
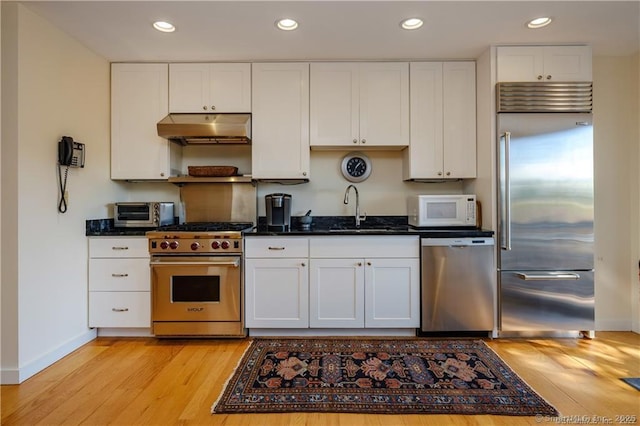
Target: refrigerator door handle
{"x": 506, "y": 220}
{"x": 551, "y": 276}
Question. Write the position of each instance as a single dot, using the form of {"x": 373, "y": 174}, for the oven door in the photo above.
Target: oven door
{"x": 196, "y": 288}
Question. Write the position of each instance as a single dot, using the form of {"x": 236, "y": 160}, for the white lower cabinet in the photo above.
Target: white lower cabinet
{"x": 380, "y": 290}
{"x": 276, "y": 283}
{"x": 332, "y": 282}
{"x": 119, "y": 283}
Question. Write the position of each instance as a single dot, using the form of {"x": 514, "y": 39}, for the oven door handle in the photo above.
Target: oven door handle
{"x": 233, "y": 263}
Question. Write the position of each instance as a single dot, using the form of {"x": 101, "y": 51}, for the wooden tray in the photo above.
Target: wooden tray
{"x": 212, "y": 171}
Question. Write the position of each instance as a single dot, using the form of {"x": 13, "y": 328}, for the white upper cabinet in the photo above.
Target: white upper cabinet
{"x": 443, "y": 121}
{"x": 220, "y": 87}
{"x": 360, "y": 104}
{"x": 544, "y": 63}
{"x": 139, "y": 99}
{"x": 280, "y": 121}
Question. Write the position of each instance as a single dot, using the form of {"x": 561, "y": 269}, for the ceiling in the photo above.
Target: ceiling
{"x": 341, "y": 30}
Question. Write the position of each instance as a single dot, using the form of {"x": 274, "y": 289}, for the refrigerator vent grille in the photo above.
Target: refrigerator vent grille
{"x": 545, "y": 97}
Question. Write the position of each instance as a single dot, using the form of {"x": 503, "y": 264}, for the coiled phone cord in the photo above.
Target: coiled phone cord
{"x": 62, "y": 205}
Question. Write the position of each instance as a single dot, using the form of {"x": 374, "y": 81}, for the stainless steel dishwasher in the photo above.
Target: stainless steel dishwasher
{"x": 458, "y": 284}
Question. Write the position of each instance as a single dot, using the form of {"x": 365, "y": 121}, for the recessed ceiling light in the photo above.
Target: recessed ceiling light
{"x": 286, "y": 24}
{"x": 543, "y": 21}
{"x": 165, "y": 27}
{"x": 411, "y": 23}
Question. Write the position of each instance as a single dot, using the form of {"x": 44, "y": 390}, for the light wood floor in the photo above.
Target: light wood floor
{"x": 130, "y": 381}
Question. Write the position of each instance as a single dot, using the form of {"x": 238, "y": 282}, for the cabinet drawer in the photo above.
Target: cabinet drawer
{"x": 276, "y": 247}
{"x": 364, "y": 246}
{"x": 120, "y": 309}
{"x": 118, "y": 247}
{"x": 119, "y": 275}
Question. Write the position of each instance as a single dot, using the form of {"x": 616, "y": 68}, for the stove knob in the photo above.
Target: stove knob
{"x": 215, "y": 245}
{"x": 225, "y": 245}
{"x": 195, "y": 246}
{"x": 164, "y": 245}
{"x": 173, "y": 245}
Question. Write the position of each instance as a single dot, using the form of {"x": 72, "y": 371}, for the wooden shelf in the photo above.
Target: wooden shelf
{"x": 180, "y": 180}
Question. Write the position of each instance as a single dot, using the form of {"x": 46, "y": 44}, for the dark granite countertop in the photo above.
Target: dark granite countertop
{"x": 373, "y": 225}
{"x": 321, "y": 225}
{"x": 106, "y": 228}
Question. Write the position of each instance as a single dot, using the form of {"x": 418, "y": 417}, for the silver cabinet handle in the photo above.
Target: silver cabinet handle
{"x": 359, "y": 263}
{"x": 119, "y": 275}
{"x": 303, "y": 264}
{"x": 507, "y": 194}
{"x": 204, "y": 107}
{"x": 355, "y": 141}
{"x": 120, "y": 248}
{"x": 439, "y": 173}
{"x": 364, "y": 141}
{"x": 539, "y": 77}
{"x": 368, "y": 263}
{"x": 276, "y": 248}
{"x": 213, "y": 107}
{"x": 120, "y": 309}
{"x": 551, "y": 276}
{"x": 549, "y": 77}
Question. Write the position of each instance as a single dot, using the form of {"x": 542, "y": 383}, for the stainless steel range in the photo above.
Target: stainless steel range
{"x": 197, "y": 279}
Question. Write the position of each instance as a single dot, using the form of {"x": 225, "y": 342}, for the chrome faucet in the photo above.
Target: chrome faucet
{"x": 346, "y": 201}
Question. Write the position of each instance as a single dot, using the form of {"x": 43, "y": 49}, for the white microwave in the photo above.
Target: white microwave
{"x": 442, "y": 211}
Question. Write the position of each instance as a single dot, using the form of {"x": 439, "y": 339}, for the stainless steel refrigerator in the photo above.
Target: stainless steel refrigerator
{"x": 545, "y": 212}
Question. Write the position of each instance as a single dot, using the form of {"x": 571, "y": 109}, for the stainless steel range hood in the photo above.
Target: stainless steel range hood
{"x": 202, "y": 129}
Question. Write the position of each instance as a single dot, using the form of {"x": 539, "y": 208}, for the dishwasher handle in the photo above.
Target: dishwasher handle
{"x": 457, "y": 242}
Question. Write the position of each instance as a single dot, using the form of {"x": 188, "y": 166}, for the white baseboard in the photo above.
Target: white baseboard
{"x": 22, "y": 373}
{"x": 614, "y": 325}
{"x": 125, "y": 332}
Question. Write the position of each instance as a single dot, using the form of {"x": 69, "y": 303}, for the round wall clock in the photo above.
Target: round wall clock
{"x": 356, "y": 167}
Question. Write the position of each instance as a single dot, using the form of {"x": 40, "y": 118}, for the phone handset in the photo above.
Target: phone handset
{"x": 70, "y": 154}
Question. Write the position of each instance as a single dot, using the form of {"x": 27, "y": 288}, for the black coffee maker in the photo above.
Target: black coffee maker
{"x": 278, "y": 208}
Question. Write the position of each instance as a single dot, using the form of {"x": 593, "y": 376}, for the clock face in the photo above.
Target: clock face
{"x": 356, "y": 167}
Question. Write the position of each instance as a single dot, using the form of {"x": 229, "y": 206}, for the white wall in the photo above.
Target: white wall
{"x": 615, "y": 115}
{"x": 57, "y": 87}
{"x": 635, "y": 212}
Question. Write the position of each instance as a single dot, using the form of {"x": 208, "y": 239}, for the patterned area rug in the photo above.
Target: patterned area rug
{"x": 390, "y": 376}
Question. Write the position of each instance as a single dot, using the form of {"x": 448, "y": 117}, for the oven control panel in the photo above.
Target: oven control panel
{"x": 194, "y": 245}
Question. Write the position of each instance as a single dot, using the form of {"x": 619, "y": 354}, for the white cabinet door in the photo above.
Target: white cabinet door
{"x": 443, "y": 121}
{"x": 335, "y": 105}
{"x": 425, "y": 156}
{"x": 384, "y": 104}
{"x": 459, "y": 120}
{"x": 392, "y": 293}
{"x": 220, "y": 87}
{"x": 336, "y": 293}
{"x": 119, "y": 275}
{"x": 280, "y": 123}
{"x": 276, "y": 293}
{"x": 544, "y": 63}
{"x": 139, "y": 99}
{"x": 359, "y": 104}
{"x": 120, "y": 309}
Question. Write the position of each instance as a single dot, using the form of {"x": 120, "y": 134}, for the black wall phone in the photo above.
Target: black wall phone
{"x": 70, "y": 154}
